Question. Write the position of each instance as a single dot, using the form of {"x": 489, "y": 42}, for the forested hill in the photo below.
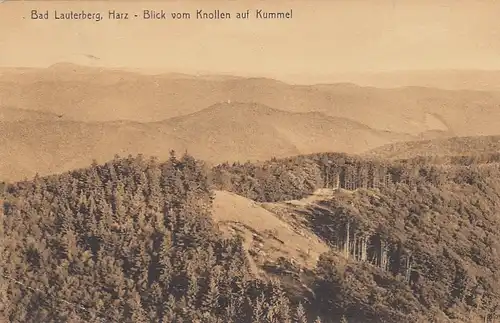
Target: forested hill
{"x": 427, "y": 229}
{"x": 133, "y": 240}
{"x": 444, "y": 147}
{"x": 128, "y": 241}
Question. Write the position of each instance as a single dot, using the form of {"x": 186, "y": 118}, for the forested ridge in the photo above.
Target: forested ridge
{"x": 133, "y": 240}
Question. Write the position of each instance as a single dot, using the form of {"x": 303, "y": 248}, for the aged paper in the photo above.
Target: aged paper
{"x": 249, "y": 161}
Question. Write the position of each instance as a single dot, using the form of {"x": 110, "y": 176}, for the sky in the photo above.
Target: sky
{"x": 324, "y": 36}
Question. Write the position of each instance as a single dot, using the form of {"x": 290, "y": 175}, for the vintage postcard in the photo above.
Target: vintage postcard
{"x": 282, "y": 161}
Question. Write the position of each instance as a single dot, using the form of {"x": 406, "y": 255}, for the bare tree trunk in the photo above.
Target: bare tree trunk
{"x": 408, "y": 268}
{"x": 388, "y": 180}
{"x": 355, "y": 247}
{"x": 364, "y": 252}
{"x": 346, "y": 248}
{"x": 387, "y": 256}
{"x": 382, "y": 254}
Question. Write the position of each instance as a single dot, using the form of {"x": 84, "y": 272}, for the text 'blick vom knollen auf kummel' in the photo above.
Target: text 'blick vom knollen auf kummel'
{"x": 150, "y": 14}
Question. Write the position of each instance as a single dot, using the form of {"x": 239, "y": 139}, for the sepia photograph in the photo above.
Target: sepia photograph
{"x": 286, "y": 161}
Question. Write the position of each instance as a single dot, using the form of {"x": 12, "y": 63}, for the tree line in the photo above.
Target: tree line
{"x": 132, "y": 240}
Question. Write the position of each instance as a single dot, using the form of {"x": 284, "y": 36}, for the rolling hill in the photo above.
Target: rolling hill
{"x": 449, "y": 79}
{"x": 62, "y": 117}
{"x": 456, "y": 146}
{"x": 222, "y": 132}
{"x": 96, "y": 94}
{"x": 252, "y": 131}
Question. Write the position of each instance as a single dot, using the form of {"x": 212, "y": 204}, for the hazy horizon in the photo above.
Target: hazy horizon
{"x": 323, "y": 38}
{"x": 447, "y": 79}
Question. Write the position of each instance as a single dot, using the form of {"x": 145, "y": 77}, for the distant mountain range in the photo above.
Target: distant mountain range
{"x": 44, "y": 143}
{"x": 64, "y": 116}
{"x": 480, "y": 80}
